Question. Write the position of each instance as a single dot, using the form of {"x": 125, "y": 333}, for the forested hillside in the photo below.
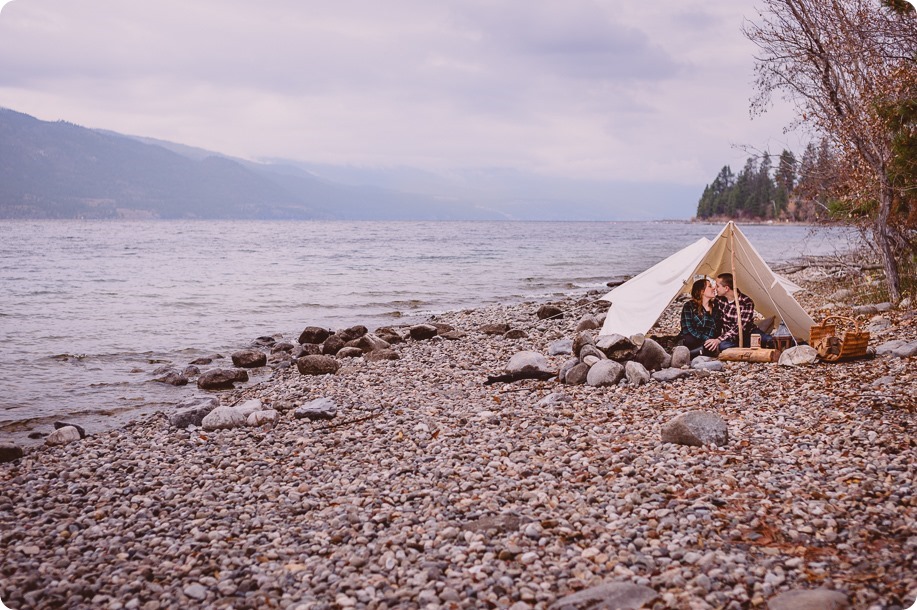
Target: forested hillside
{"x": 773, "y": 188}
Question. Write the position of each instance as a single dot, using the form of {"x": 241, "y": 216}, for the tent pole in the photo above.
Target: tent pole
{"x": 735, "y": 287}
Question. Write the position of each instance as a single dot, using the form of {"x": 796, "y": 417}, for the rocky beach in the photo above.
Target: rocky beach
{"x": 406, "y": 473}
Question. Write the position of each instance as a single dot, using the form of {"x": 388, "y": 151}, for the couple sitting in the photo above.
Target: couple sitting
{"x": 710, "y": 320}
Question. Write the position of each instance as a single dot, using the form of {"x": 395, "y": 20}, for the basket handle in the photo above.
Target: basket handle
{"x": 856, "y": 326}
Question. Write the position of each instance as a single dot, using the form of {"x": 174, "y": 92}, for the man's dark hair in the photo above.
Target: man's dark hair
{"x": 726, "y": 278}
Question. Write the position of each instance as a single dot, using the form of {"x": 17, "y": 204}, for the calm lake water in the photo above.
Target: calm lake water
{"x": 89, "y": 309}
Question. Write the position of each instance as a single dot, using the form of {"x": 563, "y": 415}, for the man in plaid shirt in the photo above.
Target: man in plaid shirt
{"x": 727, "y": 306}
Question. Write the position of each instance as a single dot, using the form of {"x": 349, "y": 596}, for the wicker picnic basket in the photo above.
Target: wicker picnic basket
{"x": 831, "y": 347}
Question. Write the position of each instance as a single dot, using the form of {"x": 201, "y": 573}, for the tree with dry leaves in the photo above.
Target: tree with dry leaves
{"x": 849, "y": 67}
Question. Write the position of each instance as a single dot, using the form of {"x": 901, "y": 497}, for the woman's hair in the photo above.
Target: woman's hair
{"x": 697, "y": 294}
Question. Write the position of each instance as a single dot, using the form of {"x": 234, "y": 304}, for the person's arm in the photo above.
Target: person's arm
{"x": 688, "y": 320}
{"x": 748, "y": 315}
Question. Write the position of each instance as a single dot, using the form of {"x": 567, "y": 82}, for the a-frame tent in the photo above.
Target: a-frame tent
{"x": 638, "y": 303}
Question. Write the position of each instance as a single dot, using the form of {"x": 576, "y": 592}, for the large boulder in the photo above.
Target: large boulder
{"x": 192, "y": 412}
{"x": 798, "y": 355}
{"x": 591, "y": 350}
{"x": 261, "y": 418}
{"x": 354, "y": 332}
{"x": 549, "y": 312}
{"x": 331, "y": 346}
{"x": 616, "y": 347}
{"x": 63, "y": 436}
{"x": 810, "y": 599}
{"x": 587, "y": 322}
{"x": 494, "y": 329}
{"x": 581, "y": 339}
{"x": 528, "y": 362}
{"x": 696, "y": 429}
{"x": 320, "y": 408}
{"x": 314, "y": 334}
{"x": 249, "y": 358}
{"x": 224, "y": 418}
{"x": 422, "y": 332}
{"x": 577, "y": 374}
{"x": 317, "y": 365}
{"x": 681, "y": 357}
{"x": 370, "y": 342}
{"x": 605, "y": 373}
{"x": 9, "y": 452}
{"x": 611, "y": 595}
{"x": 172, "y": 377}
{"x": 378, "y": 355}
{"x": 560, "y": 347}
{"x": 221, "y": 379}
{"x": 636, "y": 373}
{"x": 652, "y": 356}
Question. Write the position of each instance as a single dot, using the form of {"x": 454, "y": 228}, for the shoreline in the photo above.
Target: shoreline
{"x": 430, "y": 489}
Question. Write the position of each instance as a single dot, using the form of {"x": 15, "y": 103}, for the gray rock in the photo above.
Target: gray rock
{"x": 309, "y": 349}
{"x": 249, "y": 358}
{"x": 318, "y": 409}
{"x": 907, "y": 350}
{"x": 616, "y": 347}
{"x": 221, "y": 379}
{"x": 841, "y": 295}
{"x": 798, "y": 355}
{"x": 714, "y": 366}
{"x": 561, "y": 347}
{"x": 577, "y": 375}
{"x": 494, "y": 329}
{"x": 354, "y": 332}
{"x": 565, "y": 368}
{"x": 382, "y": 354}
{"x": 812, "y": 599}
{"x": 700, "y": 359}
{"x": 9, "y": 452}
{"x": 260, "y": 418}
{"x": 591, "y": 350}
{"x": 331, "y": 346}
{"x": 528, "y": 362}
{"x": 636, "y": 373}
{"x": 515, "y": 333}
{"x": 370, "y": 342}
{"x": 652, "y": 356}
{"x": 670, "y": 374}
{"x": 63, "y": 436}
{"x": 696, "y": 428}
{"x": 877, "y": 324}
{"x": 191, "y": 371}
{"x": 317, "y": 365}
{"x": 224, "y": 418}
{"x": 350, "y": 352}
{"x": 605, "y": 373}
{"x": 881, "y": 307}
{"x": 581, "y": 339}
{"x": 283, "y": 346}
{"x": 890, "y": 347}
{"x": 587, "y": 322}
{"x": 196, "y": 591}
{"x": 172, "y": 377}
{"x": 681, "y": 357}
{"x": 865, "y": 310}
{"x": 60, "y": 424}
{"x": 314, "y": 334}
{"x": 549, "y": 312}
{"x": 881, "y": 381}
{"x": 192, "y": 412}
{"x": 452, "y": 335}
{"x": 422, "y": 332}
{"x": 553, "y": 399}
{"x": 611, "y": 595}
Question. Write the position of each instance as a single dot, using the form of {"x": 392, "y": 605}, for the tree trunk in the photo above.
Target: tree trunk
{"x": 883, "y": 240}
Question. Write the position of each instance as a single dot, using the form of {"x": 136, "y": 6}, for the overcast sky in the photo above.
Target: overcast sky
{"x": 598, "y": 89}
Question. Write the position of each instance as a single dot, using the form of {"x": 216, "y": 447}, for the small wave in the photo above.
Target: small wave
{"x": 68, "y": 357}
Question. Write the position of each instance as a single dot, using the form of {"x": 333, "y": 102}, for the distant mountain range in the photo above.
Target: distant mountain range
{"x": 61, "y": 170}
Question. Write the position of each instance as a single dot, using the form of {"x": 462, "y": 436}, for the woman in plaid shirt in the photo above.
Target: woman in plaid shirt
{"x": 698, "y": 323}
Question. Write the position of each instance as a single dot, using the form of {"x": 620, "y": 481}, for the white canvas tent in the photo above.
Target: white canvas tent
{"x": 638, "y": 303}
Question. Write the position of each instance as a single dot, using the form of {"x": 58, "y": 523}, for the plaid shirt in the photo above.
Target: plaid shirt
{"x": 727, "y": 315}
{"x": 702, "y": 325}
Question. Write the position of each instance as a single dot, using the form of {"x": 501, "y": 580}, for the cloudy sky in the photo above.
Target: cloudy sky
{"x": 583, "y": 89}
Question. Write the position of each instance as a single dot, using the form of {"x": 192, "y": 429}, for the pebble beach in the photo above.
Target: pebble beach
{"x": 430, "y": 489}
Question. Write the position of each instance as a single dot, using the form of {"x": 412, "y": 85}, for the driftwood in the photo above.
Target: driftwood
{"x": 748, "y": 354}
{"x": 520, "y": 375}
